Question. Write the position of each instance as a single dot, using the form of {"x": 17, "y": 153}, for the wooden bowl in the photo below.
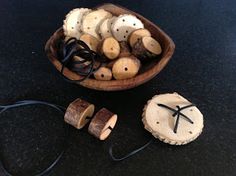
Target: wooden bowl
{"x": 147, "y": 72}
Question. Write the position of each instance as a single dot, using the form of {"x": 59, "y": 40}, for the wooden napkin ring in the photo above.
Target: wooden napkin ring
{"x": 102, "y": 124}
{"x": 78, "y": 113}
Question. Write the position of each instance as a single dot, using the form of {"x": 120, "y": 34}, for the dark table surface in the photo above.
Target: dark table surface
{"x": 202, "y": 69}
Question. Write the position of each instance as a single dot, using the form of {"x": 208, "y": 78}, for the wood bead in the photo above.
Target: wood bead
{"x": 137, "y": 35}
{"x": 124, "y": 25}
{"x": 110, "y": 48}
{"x": 103, "y": 73}
{"x": 125, "y": 67}
{"x": 102, "y": 124}
{"x": 78, "y": 113}
{"x": 92, "y": 20}
{"x": 147, "y": 47}
{"x": 90, "y": 40}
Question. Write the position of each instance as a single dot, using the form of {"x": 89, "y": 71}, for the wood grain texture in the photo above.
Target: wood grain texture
{"x": 77, "y": 112}
{"x": 145, "y": 74}
{"x": 99, "y": 125}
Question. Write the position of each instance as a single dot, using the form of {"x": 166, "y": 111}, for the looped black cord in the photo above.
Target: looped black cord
{"x": 74, "y": 47}
{"x": 129, "y": 154}
{"x": 71, "y": 43}
{"x": 82, "y": 79}
{"x": 61, "y": 109}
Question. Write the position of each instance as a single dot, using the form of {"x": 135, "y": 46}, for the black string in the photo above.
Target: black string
{"x": 177, "y": 121}
{"x": 178, "y": 113}
{"x": 110, "y": 128}
{"x": 74, "y": 47}
{"x": 129, "y": 154}
{"x": 184, "y": 107}
{"x": 61, "y": 109}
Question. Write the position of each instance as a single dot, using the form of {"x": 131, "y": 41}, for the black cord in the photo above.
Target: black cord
{"x": 61, "y": 109}
{"x": 178, "y": 113}
{"x": 74, "y": 47}
{"x": 129, "y": 154}
{"x": 177, "y": 121}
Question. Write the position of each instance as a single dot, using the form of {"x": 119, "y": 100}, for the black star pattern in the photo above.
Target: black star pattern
{"x": 178, "y": 113}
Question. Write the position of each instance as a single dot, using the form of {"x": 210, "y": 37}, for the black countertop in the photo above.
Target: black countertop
{"x": 202, "y": 69}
